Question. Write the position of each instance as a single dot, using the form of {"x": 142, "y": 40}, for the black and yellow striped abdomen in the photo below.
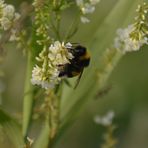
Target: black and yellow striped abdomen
{"x": 78, "y": 63}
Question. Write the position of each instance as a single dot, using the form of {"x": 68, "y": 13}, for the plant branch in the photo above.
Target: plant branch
{"x": 28, "y": 98}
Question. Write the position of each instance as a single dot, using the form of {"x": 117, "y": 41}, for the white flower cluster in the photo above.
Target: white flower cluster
{"x": 48, "y": 74}
{"x": 59, "y": 54}
{"x": 125, "y": 43}
{"x": 39, "y": 77}
{"x": 86, "y": 7}
{"x": 105, "y": 120}
{"x": 7, "y": 15}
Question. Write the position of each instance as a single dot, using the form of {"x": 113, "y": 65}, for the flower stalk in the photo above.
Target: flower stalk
{"x": 54, "y": 116}
{"x": 28, "y": 97}
{"x": 50, "y": 61}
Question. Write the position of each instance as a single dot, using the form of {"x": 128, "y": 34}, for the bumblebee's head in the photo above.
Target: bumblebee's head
{"x": 81, "y": 55}
{"x": 79, "y": 51}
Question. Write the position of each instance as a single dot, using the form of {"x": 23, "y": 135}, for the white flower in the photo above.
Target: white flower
{"x": 13, "y": 36}
{"x": 58, "y": 53}
{"x": 38, "y": 77}
{"x": 9, "y": 12}
{"x": 80, "y": 2}
{"x": 125, "y": 43}
{"x": 16, "y": 16}
{"x": 5, "y": 23}
{"x": 105, "y": 120}
{"x": 52, "y": 60}
{"x": 54, "y": 78}
{"x": 67, "y": 45}
{"x": 2, "y": 3}
{"x": 84, "y": 19}
{"x": 88, "y": 8}
{"x": 94, "y": 2}
{"x": 8, "y": 16}
{"x": 31, "y": 141}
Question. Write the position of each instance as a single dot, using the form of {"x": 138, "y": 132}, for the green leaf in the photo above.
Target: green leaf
{"x": 43, "y": 138}
{"x": 11, "y": 128}
{"x": 98, "y": 72}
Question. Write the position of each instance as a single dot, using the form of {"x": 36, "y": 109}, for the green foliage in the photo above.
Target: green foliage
{"x": 11, "y": 128}
{"x": 62, "y": 104}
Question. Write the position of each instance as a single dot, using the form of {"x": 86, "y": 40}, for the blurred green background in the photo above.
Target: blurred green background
{"x": 128, "y": 96}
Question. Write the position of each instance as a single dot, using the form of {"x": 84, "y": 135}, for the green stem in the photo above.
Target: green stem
{"x": 54, "y": 116}
{"x": 51, "y": 123}
{"x": 55, "y": 31}
{"x": 28, "y": 97}
{"x": 72, "y": 29}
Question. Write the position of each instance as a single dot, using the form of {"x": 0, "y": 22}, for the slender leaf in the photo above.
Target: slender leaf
{"x": 121, "y": 15}
{"x": 12, "y": 129}
{"x": 98, "y": 72}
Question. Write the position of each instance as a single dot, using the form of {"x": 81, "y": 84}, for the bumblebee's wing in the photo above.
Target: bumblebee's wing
{"x": 78, "y": 80}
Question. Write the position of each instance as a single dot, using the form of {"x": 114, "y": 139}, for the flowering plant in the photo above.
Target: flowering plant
{"x": 53, "y": 58}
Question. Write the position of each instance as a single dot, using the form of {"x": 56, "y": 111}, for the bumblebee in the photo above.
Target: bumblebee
{"x": 80, "y": 60}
